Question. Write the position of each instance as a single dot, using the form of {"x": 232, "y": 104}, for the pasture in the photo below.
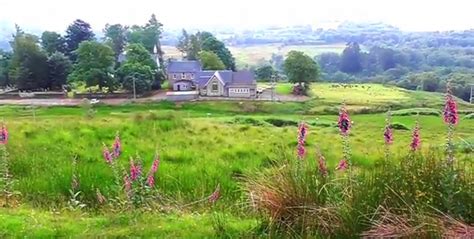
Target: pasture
{"x": 201, "y": 145}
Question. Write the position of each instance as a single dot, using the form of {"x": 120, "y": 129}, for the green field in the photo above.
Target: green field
{"x": 201, "y": 144}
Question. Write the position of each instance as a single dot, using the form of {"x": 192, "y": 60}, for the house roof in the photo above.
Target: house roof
{"x": 243, "y": 77}
{"x": 183, "y": 66}
{"x": 227, "y": 77}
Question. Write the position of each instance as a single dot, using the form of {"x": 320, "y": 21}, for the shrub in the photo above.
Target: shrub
{"x": 247, "y": 121}
{"x": 469, "y": 116}
{"x": 281, "y": 122}
{"x": 399, "y": 126}
{"x": 416, "y": 111}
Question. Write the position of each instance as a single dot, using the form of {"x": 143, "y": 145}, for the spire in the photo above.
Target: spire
{"x": 155, "y": 50}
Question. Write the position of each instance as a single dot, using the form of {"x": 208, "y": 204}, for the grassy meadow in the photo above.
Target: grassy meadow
{"x": 201, "y": 145}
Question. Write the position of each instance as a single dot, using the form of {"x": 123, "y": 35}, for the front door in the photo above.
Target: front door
{"x": 179, "y": 87}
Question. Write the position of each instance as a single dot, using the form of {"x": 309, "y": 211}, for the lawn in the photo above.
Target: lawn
{"x": 201, "y": 145}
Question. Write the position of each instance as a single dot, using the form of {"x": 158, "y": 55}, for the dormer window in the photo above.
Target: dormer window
{"x": 192, "y": 76}
{"x": 183, "y": 76}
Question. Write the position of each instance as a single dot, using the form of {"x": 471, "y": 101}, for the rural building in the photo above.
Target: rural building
{"x": 186, "y": 76}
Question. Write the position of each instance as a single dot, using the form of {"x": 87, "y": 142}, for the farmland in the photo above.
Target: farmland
{"x": 201, "y": 145}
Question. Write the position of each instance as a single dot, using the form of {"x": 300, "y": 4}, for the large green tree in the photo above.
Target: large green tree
{"x": 5, "y": 58}
{"x": 53, "y": 42}
{"x": 59, "y": 67}
{"x": 265, "y": 72}
{"x": 301, "y": 69}
{"x": 116, "y": 37}
{"x": 139, "y": 68}
{"x": 351, "y": 59}
{"x": 28, "y": 68}
{"x": 94, "y": 66}
{"x": 76, "y": 33}
{"x": 148, "y": 35}
{"x": 210, "y": 61}
{"x": 192, "y": 45}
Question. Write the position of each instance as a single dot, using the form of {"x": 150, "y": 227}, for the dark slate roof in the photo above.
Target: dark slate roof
{"x": 203, "y": 77}
{"x": 228, "y": 77}
{"x": 243, "y": 77}
{"x": 183, "y": 66}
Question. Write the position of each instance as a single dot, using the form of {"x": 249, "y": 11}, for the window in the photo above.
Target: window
{"x": 215, "y": 86}
{"x": 192, "y": 76}
{"x": 174, "y": 76}
{"x": 183, "y": 76}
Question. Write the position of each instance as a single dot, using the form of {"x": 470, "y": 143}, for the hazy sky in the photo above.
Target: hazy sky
{"x": 406, "y": 14}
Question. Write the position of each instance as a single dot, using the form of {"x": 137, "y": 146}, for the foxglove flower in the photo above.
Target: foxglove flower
{"x": 302, "y": 133}
{"x": 450, "y": 110}
{"x": 323, "y": 170}
{"x": 215, "y": 195}
{"x": 135, "y": 170}
{"x": 415, "y": 140}
{"x": 150, "y": 180}
{"x": 342, "y": 165}
{"x": 388, "y": 135}
{"x": 3, "y": 135}
{"x": 156, "y": 163}
{"x": 127, "y": 183}
{"x": 117, "y": 147}
{"x": 344, "y": 122}
{"x": 107, "y": 155}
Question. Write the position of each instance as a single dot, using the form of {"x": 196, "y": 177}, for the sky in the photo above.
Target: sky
{"x": 410, "y": 15}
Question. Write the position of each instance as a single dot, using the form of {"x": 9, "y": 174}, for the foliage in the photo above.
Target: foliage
{"x": 148, "y": 35}
{"x": 53, "y": 42}
{"x": 416, "y": 111}
{"x": 59, "y": 67}
{"x": 94, "y": 65}
{"x": 76, "y": 33}
{"x": 5, "y": 58}
{"x": 210, "y": 61}
{"x": 116, "y": 37}
{"x": 28, "y": 67}
{"x": 300, "y": 68}
{"x": 138, "y": 67}
{"x": 351, "y": 58}
{"x": 265, "y": 72}
{"x": 192, "y": 45}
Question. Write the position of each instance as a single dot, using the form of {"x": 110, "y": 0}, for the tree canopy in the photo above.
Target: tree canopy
{"x": 300, "y": 68}
{"x": 210, "y": 61}
{"x": 94, "y": 66}
{"x": 53, "y": 42}
{"x": 76, "y": 33}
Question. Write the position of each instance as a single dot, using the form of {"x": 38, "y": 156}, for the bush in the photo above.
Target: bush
{"x": 399, "y": 126}
{"x": 417, "y": 111}
{"x": 247, "y": 121}
{"x": 469, "y": 116}
{"x": 281, "y": 122}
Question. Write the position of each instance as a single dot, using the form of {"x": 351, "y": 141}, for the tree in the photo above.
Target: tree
{"x": 53, "y": 42}
{"x": 95, "y": 62}
{"x": 28, "y": 68}
{"x": 116, "y": 37}
{"x": 218, "y": 47}
{"x": 300, "y": 68}
{"x": 5, "y": 58}
{"x": 192, "y": 45}
{"x": 329, "y": 62}
{"x": 265, "y": 72}
{"x": 140, "y": 67}
{"x": 76, "y": 33}
{"x": 59, "y": 67}
{"x": 210, "y": 61}
{"x": 351, "y": 58}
